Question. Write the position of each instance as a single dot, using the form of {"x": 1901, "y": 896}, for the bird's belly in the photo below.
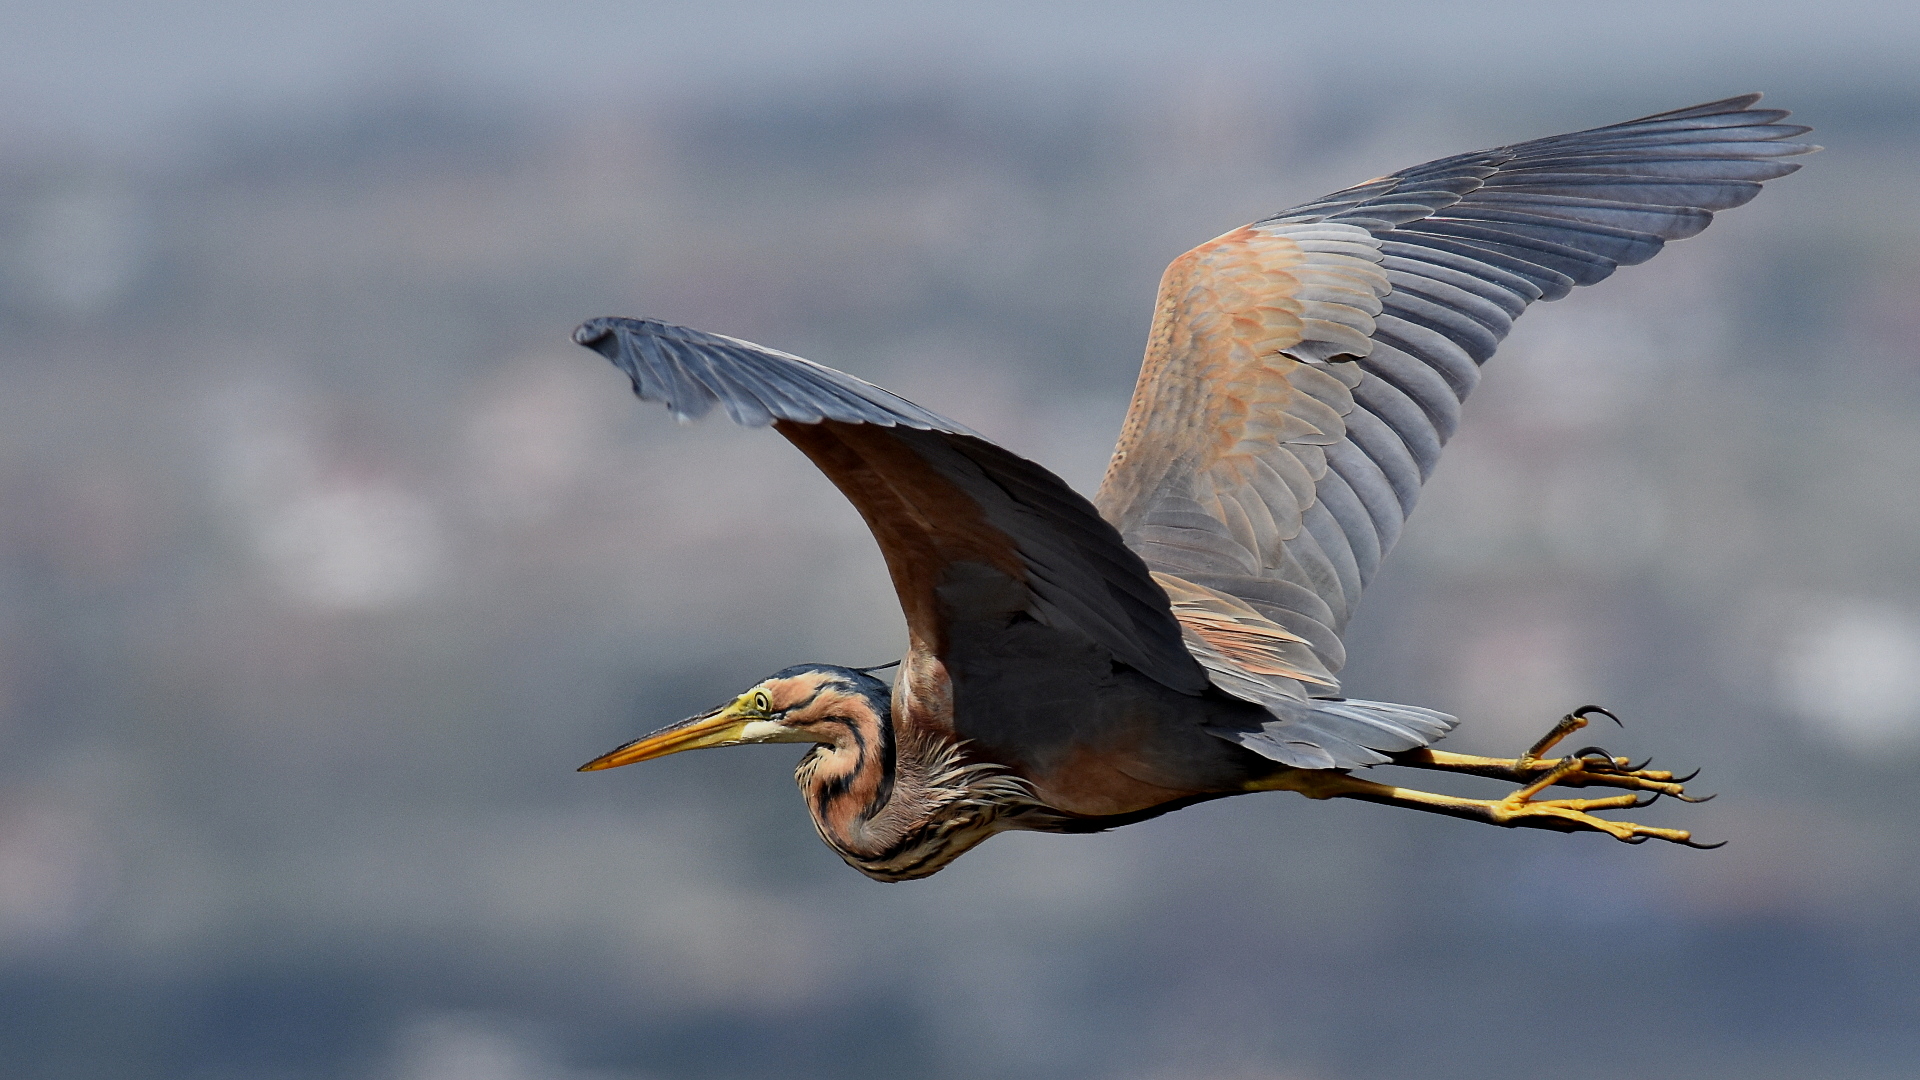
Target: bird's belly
{"x": 1093, "y": 737}
{"x": 1134, "y": 748}
{"x": 1091, "y": 784}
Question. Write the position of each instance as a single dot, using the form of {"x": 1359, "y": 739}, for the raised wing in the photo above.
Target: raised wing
{"x": 1303, "y": 372}
{"x": 974, "y": 536}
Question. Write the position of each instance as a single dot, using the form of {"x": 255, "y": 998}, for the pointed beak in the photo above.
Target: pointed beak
{"x": 721, "y": 727}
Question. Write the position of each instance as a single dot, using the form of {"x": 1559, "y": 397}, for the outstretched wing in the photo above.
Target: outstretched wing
{"x": 1303, "y": 372}
{"x": 974, "y": 536}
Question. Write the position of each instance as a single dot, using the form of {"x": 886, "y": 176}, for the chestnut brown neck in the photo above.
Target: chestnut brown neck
{"x": 898, "y": 804}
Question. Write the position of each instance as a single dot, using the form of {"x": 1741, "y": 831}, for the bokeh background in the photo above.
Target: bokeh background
{"x": 324, "y": 557}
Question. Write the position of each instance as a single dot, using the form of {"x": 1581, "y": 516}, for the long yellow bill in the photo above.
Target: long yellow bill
{"x": 721, "y": 727}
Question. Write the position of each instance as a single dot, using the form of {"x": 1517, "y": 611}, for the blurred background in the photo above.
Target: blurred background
{"x": 324, "y": 556}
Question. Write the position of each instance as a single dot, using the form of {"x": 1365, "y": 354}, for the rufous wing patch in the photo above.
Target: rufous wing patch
{"x": 1238, "y": 633}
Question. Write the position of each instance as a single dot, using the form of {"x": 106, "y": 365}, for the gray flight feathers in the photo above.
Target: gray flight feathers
{"x": 1469, "y": 241}
{"x": 691, "y": 371}
{"x": 1536, "y": 218}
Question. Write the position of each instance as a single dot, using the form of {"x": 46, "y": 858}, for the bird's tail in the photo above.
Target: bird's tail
{"x": 1340, "y": 733}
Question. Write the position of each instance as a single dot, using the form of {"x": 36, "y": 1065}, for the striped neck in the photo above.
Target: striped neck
{"x": 898, "y": 805}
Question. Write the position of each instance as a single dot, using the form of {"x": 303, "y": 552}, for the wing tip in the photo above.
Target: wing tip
{"x": 679, "y": 371}
{"x": 596, "y": 332}
{"x": 591, "y": 332}
{"x": 1735, "y": 104}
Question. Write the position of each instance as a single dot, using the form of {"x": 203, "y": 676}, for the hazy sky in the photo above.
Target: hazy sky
{"x": 124, "y": 71}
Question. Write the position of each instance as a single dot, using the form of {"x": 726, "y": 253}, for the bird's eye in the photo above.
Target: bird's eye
{"x": 761, "y": 702}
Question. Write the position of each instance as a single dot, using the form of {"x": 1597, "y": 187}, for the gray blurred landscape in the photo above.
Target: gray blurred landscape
{"x": 325, "y": 557}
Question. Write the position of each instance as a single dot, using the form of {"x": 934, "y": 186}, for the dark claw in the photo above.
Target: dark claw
{"x": 1684, "y": 779}
{"x": 1595, "y": 755}
{"x": 1684, "y": 797}
{"x": 1583, "y": 710}
{"x": 1704, "y": 847}
{"x": 1631, "y": 767}
{"x": 1651, "y": 799}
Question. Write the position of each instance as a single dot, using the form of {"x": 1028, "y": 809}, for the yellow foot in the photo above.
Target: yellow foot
{"x": 1589, "y": 767}
{"x": 1520, "y": 809}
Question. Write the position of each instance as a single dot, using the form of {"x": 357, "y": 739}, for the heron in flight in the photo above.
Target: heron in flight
{"x": 1073, "y": 666}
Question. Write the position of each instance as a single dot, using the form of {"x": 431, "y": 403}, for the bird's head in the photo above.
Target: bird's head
{"x": 809, "y": 703}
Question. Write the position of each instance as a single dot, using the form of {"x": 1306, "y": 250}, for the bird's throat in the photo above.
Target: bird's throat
{"x": 899, "y": 805}
{"x": 849, "y": 783}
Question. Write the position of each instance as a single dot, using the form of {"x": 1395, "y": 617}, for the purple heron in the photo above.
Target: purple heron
{"x": 1073, "y": 666}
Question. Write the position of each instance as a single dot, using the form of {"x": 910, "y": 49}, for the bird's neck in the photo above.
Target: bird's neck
{"x": 901, "y": 804}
